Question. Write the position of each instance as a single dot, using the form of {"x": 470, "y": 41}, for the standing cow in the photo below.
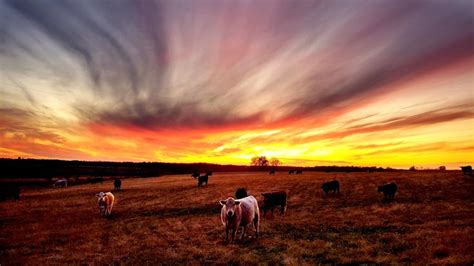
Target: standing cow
{"x": 331, "y": 186}
{"x": 239, "y": 213}
{"x": 241, "y": 193}
{"x": 274, "y": 199}
{"x": 61, "y": 183}
{"x": 105, "y": 202}
{"x": 466, "y": 170}
{"x": 388, "y": 190}
{"x": 272, "y": 172}
{"x": 117, "y": 184}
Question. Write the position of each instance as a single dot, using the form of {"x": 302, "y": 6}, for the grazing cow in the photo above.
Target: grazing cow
{"x": 330, "y": 186}
{"x": 239, "y": 213}
{"x": 202, "y": 179}
{"x": 272, "y": 172}
{"x": 106, "y": 202}
{"x": 117, "y": 184}
{"x": 291, "y": 172}
{"x": 94, "y": 180}
{"x": 61, "y": 183}
{"x": 388, "y": 190}
{"x": 9, "y": 191}
{"x": 299, "y": 172}
{"x": 241, "y": 193}
{"x": 273, "y": 199}
{"x": 466, "y": 170}
{"x": 195, "y": 175}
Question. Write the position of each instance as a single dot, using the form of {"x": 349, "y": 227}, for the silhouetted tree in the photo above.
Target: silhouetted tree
{"x": 275, "y": 162}
{"x": 413, "y": 168}
{"x": 442, "y": 168}
{"x": 259, "y": 161}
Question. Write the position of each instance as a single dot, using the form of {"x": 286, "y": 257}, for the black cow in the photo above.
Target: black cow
{"x": 388, "y": 190}
{"x": 117, "y": 184}
{"x": 94, "y": 180}
{"x": 291, "y": 172}
{"x": 195, "y": 175}
{"x": 299, "y": 172}
{"x": 9, "y": 191}
{"x": 202, "y": 179}
{"x": 273, "y": 199}
{"x": 466, "y": 170}
{"x": 272, "y": 172}
{"x": 241, "y": 193}
{"x": 330, "y": 186}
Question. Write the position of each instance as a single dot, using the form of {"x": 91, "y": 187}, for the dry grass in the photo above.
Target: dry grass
{"x": 170, "y": 220}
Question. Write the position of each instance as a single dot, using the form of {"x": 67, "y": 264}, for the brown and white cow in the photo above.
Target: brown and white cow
{"x": 105, "y": 202}
{"x": 239, "y": 213}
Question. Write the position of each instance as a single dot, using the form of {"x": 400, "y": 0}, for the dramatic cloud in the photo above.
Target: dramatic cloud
{"x": 150, "y": 72}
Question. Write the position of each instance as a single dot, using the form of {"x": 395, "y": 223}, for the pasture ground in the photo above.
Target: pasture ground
{"x": 170, "y": 220}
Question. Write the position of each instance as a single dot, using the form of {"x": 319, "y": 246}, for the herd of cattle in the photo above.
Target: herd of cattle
{"x": 238, "y": 212}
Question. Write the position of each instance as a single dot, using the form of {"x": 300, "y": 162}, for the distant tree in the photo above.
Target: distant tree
{"x": 413, "y": 168}
{"x": 275, "y": 162}
{"x": 442, "y": 168}
{"x": 259, "y": 161}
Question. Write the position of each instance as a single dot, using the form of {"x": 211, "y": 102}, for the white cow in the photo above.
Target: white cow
{"x": 239, "y": 213}
{"x": 106, "y": 202}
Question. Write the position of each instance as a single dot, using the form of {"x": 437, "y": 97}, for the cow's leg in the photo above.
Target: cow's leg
{"x": 256, "y": 224}
{"x": 234, "y": 233}
{"x": 226, "y": 234}
{"x": 244, "y": 229}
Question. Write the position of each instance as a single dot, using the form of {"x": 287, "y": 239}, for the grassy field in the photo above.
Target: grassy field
{"x": 170, "y": 220}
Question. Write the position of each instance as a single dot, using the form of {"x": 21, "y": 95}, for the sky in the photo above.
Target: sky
{"x": 367, "y": 83}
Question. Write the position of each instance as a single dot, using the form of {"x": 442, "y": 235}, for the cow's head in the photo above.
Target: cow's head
{"x": 229, "y": 206}
{"x": 101, "y": 202}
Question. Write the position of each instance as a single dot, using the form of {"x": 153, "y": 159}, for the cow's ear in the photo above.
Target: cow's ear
{"x": 97, "y": 195}
{"x": 237, "y": 203}
{"x": 222, "y": 202}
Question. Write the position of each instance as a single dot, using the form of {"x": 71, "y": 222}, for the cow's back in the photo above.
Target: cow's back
{"x": 249, "y": 206}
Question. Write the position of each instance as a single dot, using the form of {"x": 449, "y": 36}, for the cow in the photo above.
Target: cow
{"x": 105, "y": 202}
{"x": 195, "y": 175}
{"x": 94, "y": 180}
{"x": 202, "y": 179}
{"x": 299, "y": 172}
{"x": 272, "y": 172}
{"x": 239, "y": 213}
{"x": 241, "y": 193}
{"x": 466, "y": 170}
{"x": 291, "y": 172}
{"x": 117, "y": 184}
{"x": 9, "y": 191}
{"x": 273, "y": 199}
{"x": 61, "y": 183}
{"x": 388, "y": 190}
{"x": 330, "y": 186}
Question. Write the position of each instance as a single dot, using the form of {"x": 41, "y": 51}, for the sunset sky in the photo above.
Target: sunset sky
{"x": 370, "y": 83}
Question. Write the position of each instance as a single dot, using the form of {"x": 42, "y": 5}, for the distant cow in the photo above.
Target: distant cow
{"x": 466, "y": 170}
{"x": 388, "y": 190}
{"x": 9, "y": 191}
{"x": 241, "y": 193}
{"x": 117, "y": 184}
{"x": 202, "y": 179}
{"x": 195, "y": 175}
{"x": 60, "y": 183}
{"x": 239, "y": 213}
{"x": 272, "y": 172}
{"x": 273, "y": 199}
{"x": 291, "y": 172}
{"x": 298, "y": 172}
{"x": 94, "y": 180}
{"x": 105, "y": 202}
{"x": 330, "y": 186}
